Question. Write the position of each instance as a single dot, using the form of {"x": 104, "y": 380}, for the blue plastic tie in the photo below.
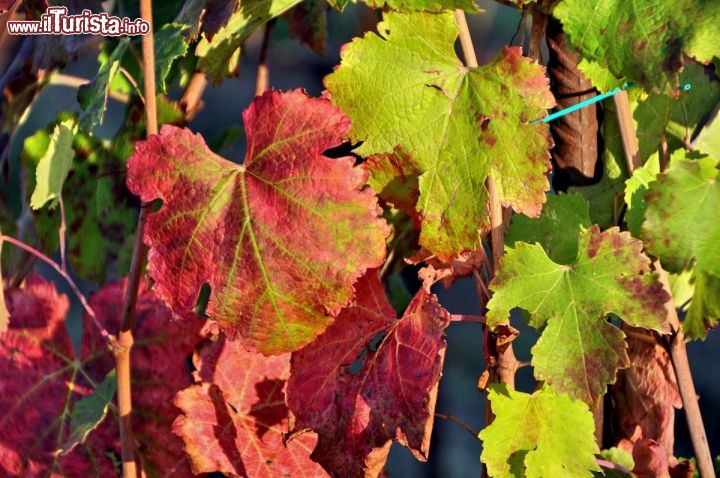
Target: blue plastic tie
{"x": 595, "y": 99}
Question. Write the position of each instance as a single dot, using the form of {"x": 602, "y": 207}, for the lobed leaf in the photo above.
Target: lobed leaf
{"x": 579, "y": 351}
{"x": 93, "y": 96}
{"x": 370, "y": 379}
{"x": 406, "y": 88}
{"x": 642, "y": 40}
{"x": 233, "y": 420}
{"x": 279, "y": 239}
{"x": 678, "y": 203}
{"x": 538, "y": 435}
{"x": 219, "y": 53}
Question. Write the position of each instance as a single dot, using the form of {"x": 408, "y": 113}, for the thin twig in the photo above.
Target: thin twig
{"x": 39, "y": 255}
{"x": 191, "y": 101}
{"x": 678, "y": 352}
{"x": 477, "y": 319}
{"x": 613, "y": 466}
{"x": 61, "y": 233}
{"x": 464, "y": 425}
{"x": 262, "y": 80}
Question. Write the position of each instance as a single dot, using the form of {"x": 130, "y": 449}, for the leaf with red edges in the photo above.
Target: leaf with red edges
{"x": 161, "y": 350}
{"x": 41, "y": 382}
{"x": 392, "y": 397}
{"x": 280, "y": 239}
{"x": 234, "y": 419}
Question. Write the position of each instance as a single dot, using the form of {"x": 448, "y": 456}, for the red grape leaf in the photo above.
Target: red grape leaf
{"x": 159, "y": 358}
{"x": 234, "y": 419}
{"x": 646, "y": 394}
{"x": 280, "y": 239}
{"x": 357, "y": 413}
{"x": 41, "y": 382}
{"x": 308, "y": 24}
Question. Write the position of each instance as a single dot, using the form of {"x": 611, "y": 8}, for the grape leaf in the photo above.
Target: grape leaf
{"x": 579, "y": 352}
{"x": 675, "y": 118}
{"x": 42, "y": 382}
{"x": 643, "y": 40}
{"x": 99, "y": 212}
{"x": 635, "y": 189}
{"x": 54, "y": 166}
{"x": 458, "y": 124}
{"x": 394, "y": 176}
{"x": 561, "y": 214}
{"x": 280, "y": 239}
{"x": 434, "y": 6}
{"x": 646, "y": 394}
{"x": 545, "y": 433}
{"x": 308, "y": 24}
{"x": 678, "y": 204}
{"x": 217, "y": 14}
{"x": 94, "y": 95}
{"x": 709, "y": 137}
{"x": 370, "y": 379}
{"x": 161, "y": 350}
{"x": 90, "y": 411}
{"x": 169, "y": 45}
{"x": 220, "y": 57}
{"x": 234, "y": 419}
{"x": 704, "y": 310}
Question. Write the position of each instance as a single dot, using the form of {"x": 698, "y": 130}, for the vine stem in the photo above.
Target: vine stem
{"x": 505, "y": 362}
{"x": 60, "y": 270}
{"x": 130, "y": 467}
{"x": 262, "y": 80}
{"x": 678, "y": 351}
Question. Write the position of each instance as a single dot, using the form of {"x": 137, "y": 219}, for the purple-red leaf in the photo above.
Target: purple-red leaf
{"x": 359, "y": 390}
{"x": 234, "y": 419}
{"x": 280, "y": 239}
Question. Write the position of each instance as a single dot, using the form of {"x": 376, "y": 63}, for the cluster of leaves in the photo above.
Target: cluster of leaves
{"x": 302, "y": 364}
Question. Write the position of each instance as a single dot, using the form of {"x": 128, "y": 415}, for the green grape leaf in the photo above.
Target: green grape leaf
{"x": 544, "y": 433}
{"x": 220, "y": 56}
{"x": 679, "y": 204}
{"x": 54, "y": 165}
{"x": 600, "y": 77}
{"x": 435, "y": 6}
{"x": 709, "y": 137}
{"x": 579, "y": 351}
{"x": 280, "y": 239}
{"x": 93, "y": 97}
{"x": 169, "y": 45}
{"x": 89, "y": 412}
{"x": 675, "y": 118}
{"x": 635, "y": 188}
{"x": 561, "y": 214}
{"x": 704, "y": 310}
{"x": 394, "y": 176}
{"x": 407, "y": 89}
{"x": 643, "y": 40}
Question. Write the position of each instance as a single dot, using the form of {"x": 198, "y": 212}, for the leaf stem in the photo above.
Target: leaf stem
{"x": 61, "y": 233}
{"x": 464, "y": 425}
{"x": 191, "y": 101}
{"x": 478, "y": 319}
{"x": 678, "y": 352}
{"x": 262, "y": 80}
{"x": 39, "y": 255}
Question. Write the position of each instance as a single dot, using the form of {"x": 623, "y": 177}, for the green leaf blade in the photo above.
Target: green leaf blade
{"x": 54, "y": 166}
{"x": 549, "y": 434}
